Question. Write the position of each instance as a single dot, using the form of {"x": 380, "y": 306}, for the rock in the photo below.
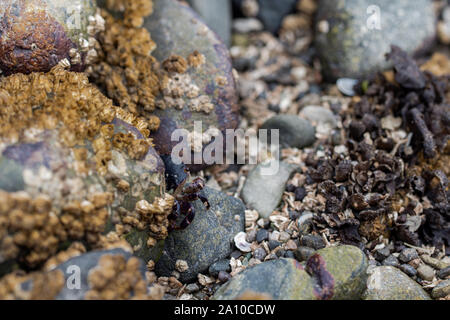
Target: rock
{"x": 176, "y": 29}
{"x": 224, "y": 276}
{"x": 381, "y": 254}
{"x": 444, "y": 273}
{"x": 43, "y": 19}
{"x": 441, "y": 290}
{"x": 319, "y": 115}
{"x": 425, "y": 272}
{"x": 347, "y": 86}
{"x": 444, "y": 27}
{"x": 435, "y": 263}
{"x": 259, "y": 254}
{"x": 340, "y": 270}
{"x": 408, "y": 269}
{"x": 271, "y": 13}
{"x": 294, "y": 131}
{"x": 207, "y": 239}
{"x": 312, "y": 241}
{"x": 247, "y": 25}
{"x": 389, "y": 283}
{"x": 221, "y": 265}
{"x": 264, "y": 187}
{"x": 391, "y": 261}
{"x": 217, "y": 15}
{"x": 273, "y": 244}
{"x": 303, "y": 253}
{"x": 351, "y": 43}
{"x": 407, "y": 255}
{"x": 262, "y": 235}
{"x": 192, "y": 287}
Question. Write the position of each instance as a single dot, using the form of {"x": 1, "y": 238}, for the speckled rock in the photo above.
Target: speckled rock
{"x": 263, "y": 192}
{"x": 207, "y": 239}
{"x": 441, "y": 290}
{"x": 62, "y": 26}
{"x": 332, "y": 273}
{"x": 319, "y": 115}
{"x": 351, "y": 43}
{"x": 294, "y": 131}
{"x": 389, "y": 283}
{"x": 177, "y": 29}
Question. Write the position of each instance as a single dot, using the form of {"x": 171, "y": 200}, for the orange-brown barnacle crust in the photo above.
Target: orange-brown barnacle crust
{"x": 31, "y": 40}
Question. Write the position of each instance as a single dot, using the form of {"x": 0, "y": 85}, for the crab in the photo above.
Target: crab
{"x": 184, "y": 194}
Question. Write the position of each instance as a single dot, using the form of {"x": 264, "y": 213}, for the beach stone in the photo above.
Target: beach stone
{"x": 441, "y": 290}
{"x": 177, "y": 29}
{"x": 391, "y": 261}
{"x": 207, "y": 239}
{"x": 381, "y": 254}
{"x": 264, "y": 188}
{"x": 246, "y": 25}
{"x": 303, "y": 253}
{"x": 444, "y": 273}
{"x": 425, "y": 272}
{"x": 319, "y": 115}
{"x": 408, "y": 254}
{"x": 271, "y": 13}
{"x": 261, "y": 235}
{"x": 217, "y": 15}
{"x": 342, "y": 270}
{"x": 294, "y": 131}
{"x": 312, "y": 241}
{"x": 408, "y": 269}
{"x": 389, "y": 283}
{"x": 259, "y": 254}
{"x": 351, "y": 43}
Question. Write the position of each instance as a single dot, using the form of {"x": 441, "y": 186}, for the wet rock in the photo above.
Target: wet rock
{"x": 260, "y": 254}
{"x": 391, "y": 261}
{"x": 389, "y": 283}
{"x": 262, "y": 235}
{"x": 352, "y": 37}
{"x": 264, "y": 187}
{"x": 312, "y": 241}
{"x": 381, "y": 254}
{"x": 303, "y": 253}
{"x": 435, "y": 263}
{"x": 294, "y": 131}
{"x": 221, "y": 265}
{"x": 444, "y": 273}
{"x": 176, "y": 29}
{"x": 408, "y": 269}
{"x": 217, "y": 15}
{"x": 273, "y": 244}
{"x": 407, "y": 255}
{"x": 332, "y": 273}
{"x": 207, "y": 239}
{"x": 271, "y": 13}
{"x": 425, "y": 272}
{"x": 441, "y": 290}
{"x": 51, "y": 32}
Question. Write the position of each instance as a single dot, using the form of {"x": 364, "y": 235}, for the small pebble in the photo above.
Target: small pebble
{"x": 280, "y": 253}
{"x": 408, "y": 269}
{"x": 382, "y": 254}
{"x": 259, "y": 254}
{"x": 251, "y": 236}
{"x": 407, "y": 255}
{"x": 391, "y": 261}
{"x": 303, "y": 253}
{"x": 224, "y": 276}
{"x": 346, "y": 86}
{"x": 191, "y": 288}
{"x": 289, "y": 254}
{"x": 273, "y": 244}
{"x": 262, "y": 235}
{"x": 426, "y": 272}
{"x": 300, "y": 194}
{"x": 221, "y": 265}
{"x": 274, "y": 235}
{"x": 444, "y": 273}
{"x": 236, "y": 254}
{"x": 435, "y": 263}
{"x": 284, "y": 236}
{"x": 312, "y": 241}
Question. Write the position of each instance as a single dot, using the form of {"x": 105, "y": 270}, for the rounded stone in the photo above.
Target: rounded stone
{"x": 425, "y": 272}
{"x": 294, "y": 131}
{"x": 221, "y": 265}
{"x": 331, "y": 273}
{"x": 353, "y": 36}
{"x": 51, "y": 30}
{"x": 207, "y": 239}
{"x": 265, "y": 185}
{"x": 389, "y": 283}
{"x": 441, "y": 290}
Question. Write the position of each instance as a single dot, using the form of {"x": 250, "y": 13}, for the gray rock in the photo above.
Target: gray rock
{"x": 389, "y": 283}
{"x": 271, "y": 13}
{"x": 273, "y": 244}
{"x": 312, "y": 241}
{"x": 391, "y": 261}
{"x": 262, "y": 235}
{"x": 425, "y": 272}
{"x": 319, "y": 115}
{"x": 407, "y": 255}
{"x": 191, "y": 288}
{"x": 441, "y": 290}
{"x": 352, "y": 44}
{"x": 217, "y": 15}
{"x": 340, "y": 270}
{"x": 444, "y": 273}
{"x": 259, "y": 254}
{"x": 221, "y": 265}
{"x": 381, "y": 254}
{"x": 294, "y": 131}
{"x": 207, "y": 239}
{"x": 303, "y": 253}
{"x": 263, "y": 189}
{"x": 408, "y": 269}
